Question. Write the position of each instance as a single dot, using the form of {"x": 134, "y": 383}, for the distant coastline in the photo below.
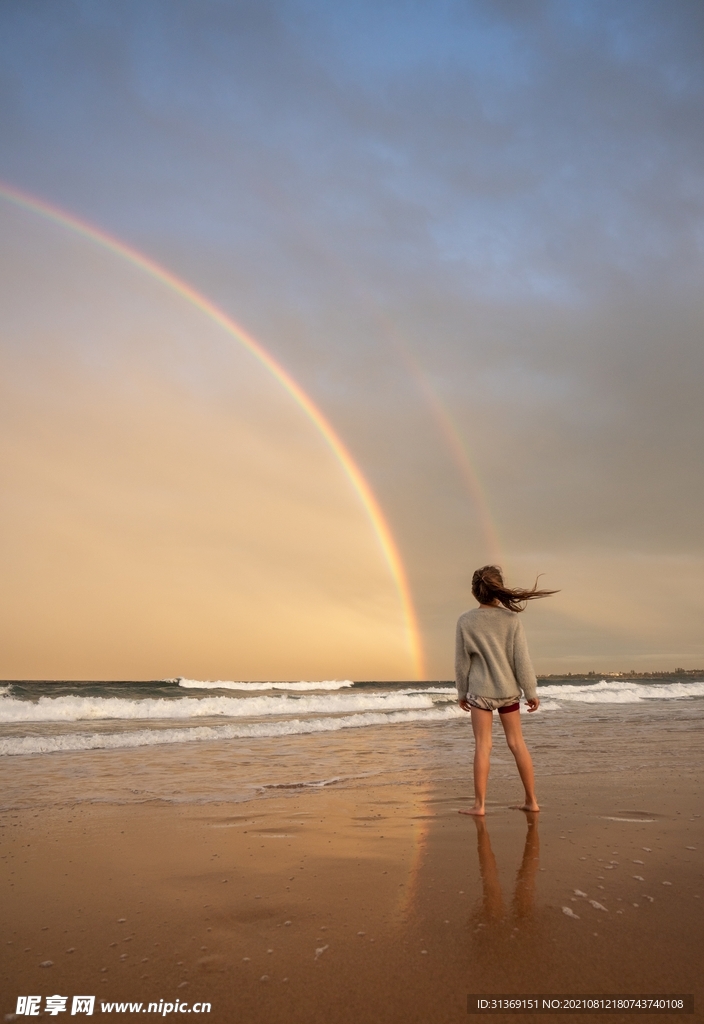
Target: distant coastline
{"x": 677, "y": 673}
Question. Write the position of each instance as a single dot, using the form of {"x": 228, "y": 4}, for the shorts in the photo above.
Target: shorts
{"x": 504, "y": 705}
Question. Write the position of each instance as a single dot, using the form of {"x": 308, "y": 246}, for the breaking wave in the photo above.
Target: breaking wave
{"x": 78, "y": 709}
{"x": 619, "y": 691}
{"x": 150, "y": 737}
{"x": 220, "y": 684}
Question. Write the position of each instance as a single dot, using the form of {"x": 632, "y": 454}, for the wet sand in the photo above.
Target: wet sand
{"x": 365, "y": 905}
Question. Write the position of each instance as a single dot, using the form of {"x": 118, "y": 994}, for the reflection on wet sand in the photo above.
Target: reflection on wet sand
{"x": 489, "y": 916}
{"x": 493, "y": 922}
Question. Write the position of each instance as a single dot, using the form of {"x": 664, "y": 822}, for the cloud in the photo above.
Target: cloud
{"x": 508, "y": 194}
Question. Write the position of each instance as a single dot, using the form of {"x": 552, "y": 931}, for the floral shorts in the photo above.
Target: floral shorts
{"x": 500, "y": 704}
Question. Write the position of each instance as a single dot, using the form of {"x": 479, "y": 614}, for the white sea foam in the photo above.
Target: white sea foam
{"x": 619, "y": 691}
{"x": 447, "y": 691}
{"x": 547, "y": 705}
{"x": 77, "y": 709}
{"x": 221, "y": 684}
{"x": 316, "y": 784}
{"x": 150, "y": 737}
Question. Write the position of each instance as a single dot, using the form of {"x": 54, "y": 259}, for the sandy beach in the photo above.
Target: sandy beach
{"x": 378, "y": 903}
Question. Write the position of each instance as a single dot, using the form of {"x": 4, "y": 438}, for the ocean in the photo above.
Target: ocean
{"x": 182, "y": 740}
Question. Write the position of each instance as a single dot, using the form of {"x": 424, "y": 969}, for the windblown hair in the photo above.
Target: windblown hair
{"x": 488, "y": 586}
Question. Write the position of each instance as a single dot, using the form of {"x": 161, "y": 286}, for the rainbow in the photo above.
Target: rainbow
{"x": 452, "y": 437}
{"x": 462, "y": 460}
{"x": 195, "y": 298}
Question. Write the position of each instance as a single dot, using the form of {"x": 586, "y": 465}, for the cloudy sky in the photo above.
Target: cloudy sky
{"x": 470, "y": 230}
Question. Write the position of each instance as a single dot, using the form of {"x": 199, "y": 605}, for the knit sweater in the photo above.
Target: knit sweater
{"x": 491, "y": 655}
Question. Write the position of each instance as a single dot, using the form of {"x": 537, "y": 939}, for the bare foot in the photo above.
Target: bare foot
{"x": 476, "y": 811}
{"x": 525, "y": 807}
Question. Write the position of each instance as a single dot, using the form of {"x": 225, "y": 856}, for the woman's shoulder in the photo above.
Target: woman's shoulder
{"x": 486, "y": 615}
{"x": 467, "y": 616}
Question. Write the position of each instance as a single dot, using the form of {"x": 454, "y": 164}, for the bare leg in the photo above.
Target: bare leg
{"x": 481, "y": 726}
{"x": 517, "y": 745}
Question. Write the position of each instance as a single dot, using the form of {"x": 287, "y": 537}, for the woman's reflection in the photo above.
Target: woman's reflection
{"x": 489, "y": 917}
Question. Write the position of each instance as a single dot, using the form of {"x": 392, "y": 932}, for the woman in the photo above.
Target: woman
{"x": 492, "y": 668}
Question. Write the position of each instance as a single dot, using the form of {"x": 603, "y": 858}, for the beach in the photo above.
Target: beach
{"x": 360, "y": 894}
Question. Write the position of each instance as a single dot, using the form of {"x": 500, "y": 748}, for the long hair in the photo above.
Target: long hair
{"x": 488, "y": 586}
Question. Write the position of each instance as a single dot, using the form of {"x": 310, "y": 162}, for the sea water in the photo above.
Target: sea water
{"x": 182, "y": 740}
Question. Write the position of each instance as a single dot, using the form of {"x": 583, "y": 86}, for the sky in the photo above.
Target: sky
{"x": 471, "y": 232}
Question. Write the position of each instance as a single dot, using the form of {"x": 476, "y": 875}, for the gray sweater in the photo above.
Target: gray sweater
{"x": 491, "y": 655}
